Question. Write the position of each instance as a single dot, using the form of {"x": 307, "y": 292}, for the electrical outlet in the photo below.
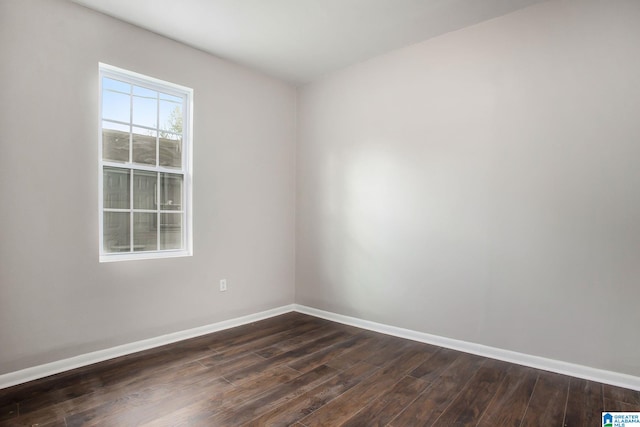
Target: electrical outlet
{"x": 223, "y": 285}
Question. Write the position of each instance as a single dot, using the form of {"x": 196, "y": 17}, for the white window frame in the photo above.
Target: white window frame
{"x": 186, "y": 94}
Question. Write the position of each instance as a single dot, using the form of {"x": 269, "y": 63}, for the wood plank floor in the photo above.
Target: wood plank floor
{"x": 302, "y": 371}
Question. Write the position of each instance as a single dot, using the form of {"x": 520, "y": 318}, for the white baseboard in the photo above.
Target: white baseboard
{"x": 565, "y": 368}
{"x": 41, "y": 371}
{"x": 579, "y": 371}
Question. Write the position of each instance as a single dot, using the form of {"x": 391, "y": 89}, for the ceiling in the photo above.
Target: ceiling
{"x": 301, "y": 40}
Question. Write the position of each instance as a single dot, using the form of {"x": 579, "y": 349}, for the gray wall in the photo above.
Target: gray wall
{"x": 56, "y": 300}
{"x": 484, "y": 185}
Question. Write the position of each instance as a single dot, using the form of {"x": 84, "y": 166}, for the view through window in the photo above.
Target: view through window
{"x": 144, "y": 167}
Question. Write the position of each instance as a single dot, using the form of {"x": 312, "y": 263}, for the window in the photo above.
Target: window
{"x": 145, "y": 167}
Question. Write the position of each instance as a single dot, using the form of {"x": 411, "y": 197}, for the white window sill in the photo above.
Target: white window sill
{"x": 144, "y": 255}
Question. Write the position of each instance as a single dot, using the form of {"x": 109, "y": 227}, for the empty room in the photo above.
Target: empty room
{"x": 320, "y": 213}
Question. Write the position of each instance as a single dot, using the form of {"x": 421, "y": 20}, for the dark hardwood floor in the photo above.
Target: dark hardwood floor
{"x": 303, "y": 371}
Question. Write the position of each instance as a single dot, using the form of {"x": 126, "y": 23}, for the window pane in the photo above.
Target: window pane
{"x": 115, "y": 85}
{"x": 171, "y": 191}
{"x": 173, "y": 98}
{"x": 145, "y": 231}
{"x": 144, "y": 92}
{"x": 170, "y": 150}
{"x": 115, "y": 182}
{"x": 145, "y": 107}
{"x": 144, "y": 146}
{"x": 115, "y": 142}
{"x": 171, "y": 116}
{"x": 116, "y": 105}
{"x": 145, "y": 185}
{"x": 170, "y": 231}
{"x": 116, "y": 232}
